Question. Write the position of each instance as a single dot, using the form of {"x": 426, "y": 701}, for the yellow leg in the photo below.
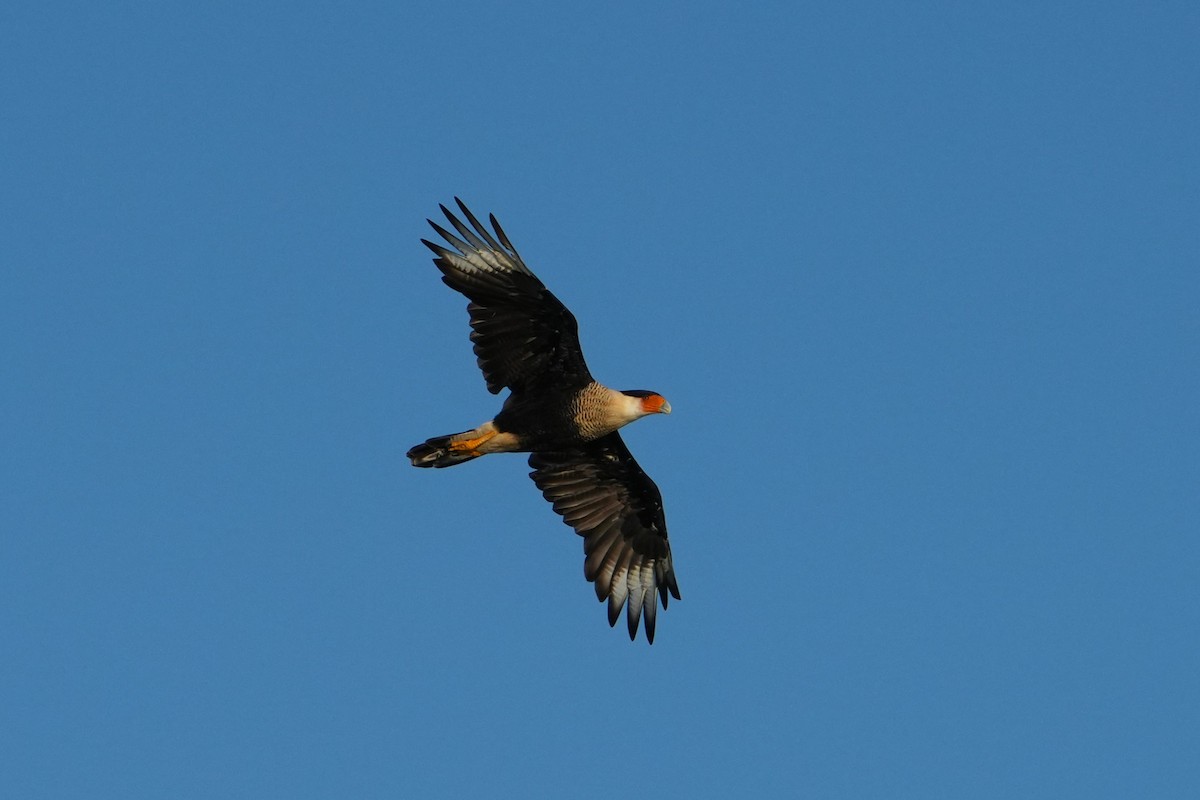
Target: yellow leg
{"x": 472, "y": 444}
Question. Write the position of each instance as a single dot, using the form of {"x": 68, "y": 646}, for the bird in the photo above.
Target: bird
{"x": 526, "y": 341}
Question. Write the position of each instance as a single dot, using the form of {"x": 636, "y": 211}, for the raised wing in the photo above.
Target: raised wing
{"x": 603, "y": 494}
{"x": 523, "y": 335}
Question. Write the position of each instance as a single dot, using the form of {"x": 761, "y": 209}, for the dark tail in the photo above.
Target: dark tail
{"x": 436, "y": 452}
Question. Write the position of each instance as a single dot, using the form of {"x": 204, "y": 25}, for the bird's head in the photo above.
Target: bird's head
{"x": 651, "y": 402}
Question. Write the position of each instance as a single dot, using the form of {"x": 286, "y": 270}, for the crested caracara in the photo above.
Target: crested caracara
{"x": 527, "y": 341}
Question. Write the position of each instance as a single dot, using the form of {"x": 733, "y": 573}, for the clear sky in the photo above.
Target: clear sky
{"x": 921, "y": 282}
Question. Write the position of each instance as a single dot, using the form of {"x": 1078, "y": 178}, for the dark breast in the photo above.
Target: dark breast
{"x": 548, "y": 420}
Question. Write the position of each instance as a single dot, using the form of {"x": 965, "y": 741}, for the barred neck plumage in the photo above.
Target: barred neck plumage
{"x": 599, "y": 410}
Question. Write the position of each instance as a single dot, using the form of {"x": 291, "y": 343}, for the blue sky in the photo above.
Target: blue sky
{"x": 919, "y": 280}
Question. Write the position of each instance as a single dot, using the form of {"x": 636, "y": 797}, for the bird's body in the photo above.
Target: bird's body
{"x": 527, "y": 341}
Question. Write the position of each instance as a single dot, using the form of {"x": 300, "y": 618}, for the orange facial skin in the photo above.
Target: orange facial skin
{"x": 655, "y": 404}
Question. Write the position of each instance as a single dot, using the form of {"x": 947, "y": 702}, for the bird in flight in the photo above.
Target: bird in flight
{"x": 526, "y": 341}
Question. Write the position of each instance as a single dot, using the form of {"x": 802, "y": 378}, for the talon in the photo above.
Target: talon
{"x": 471, "y": 444}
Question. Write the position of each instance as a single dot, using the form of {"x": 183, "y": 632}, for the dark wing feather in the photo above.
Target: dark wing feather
{"x": 603, "y": 494}
{"x": 523, "y": 335}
